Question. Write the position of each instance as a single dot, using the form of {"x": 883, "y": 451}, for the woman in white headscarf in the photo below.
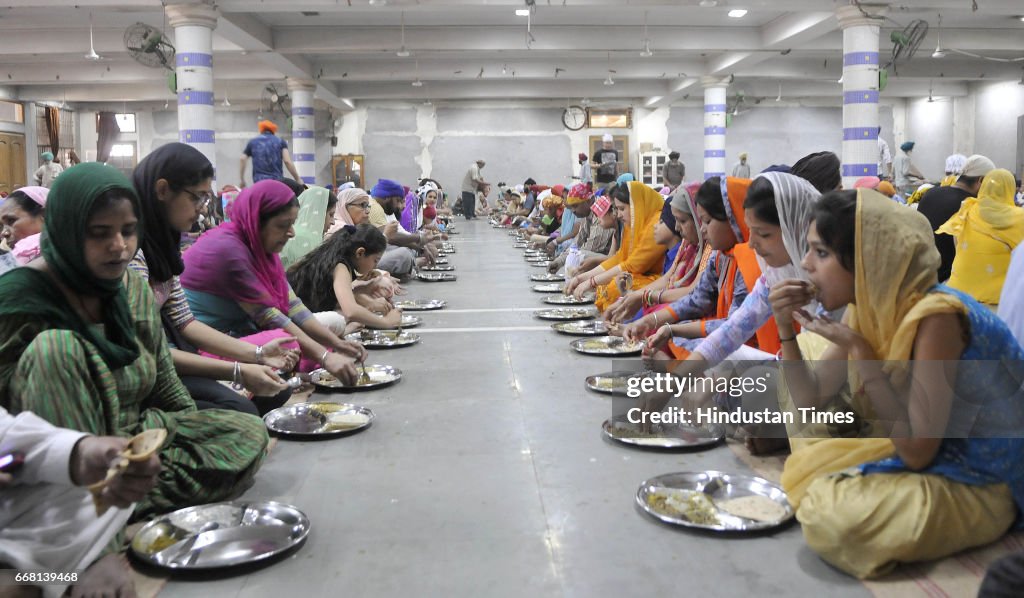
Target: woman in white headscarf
{"x": 778, "y": 210}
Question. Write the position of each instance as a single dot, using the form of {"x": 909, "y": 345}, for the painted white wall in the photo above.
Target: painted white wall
{"x": 930, "y": 127}
{"x": 998, "y": 106}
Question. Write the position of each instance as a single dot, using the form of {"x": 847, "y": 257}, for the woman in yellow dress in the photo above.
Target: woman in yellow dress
{"x": 987, "y": 229}
{"x": 639, "y": 208}
{"x": 944, "y": 468}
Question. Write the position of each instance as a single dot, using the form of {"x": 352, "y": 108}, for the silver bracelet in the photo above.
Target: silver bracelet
{"x": 259, "y": 354}
{"x": 655, "y": 314}
{"x": 324, "y": 357}
{"x": 236, "y": 377}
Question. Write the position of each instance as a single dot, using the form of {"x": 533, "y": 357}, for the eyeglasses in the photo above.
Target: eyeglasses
{"x": 365, "y": 205}
{"x": 200, "y": 199}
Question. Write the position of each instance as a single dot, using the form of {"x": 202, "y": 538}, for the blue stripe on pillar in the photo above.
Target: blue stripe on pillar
{"x": 302, "y": 111}
{"x": 302, "y": 134}
{"x": 304, "y": 158}
{"x": 708, "y": 175}
{"x": 714, "y": 153}
{"x": 309, "y": 180}
{"x": 860, "y": 133}
{"x": 714, "y": 130}
{"x": 863, "y": 96}
{"x": 859, "y": 170}
{"x": 193, "y": 59}
{"x": 196, "y": 136}
{"x": 195, "y": 97}
{"x": 858, "y": 58}
{"x": 715, "y": 107}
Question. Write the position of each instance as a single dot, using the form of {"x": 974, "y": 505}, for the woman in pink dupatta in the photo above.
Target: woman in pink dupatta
{"x": 234, "y": 281}
{"x": 22, "y": 214}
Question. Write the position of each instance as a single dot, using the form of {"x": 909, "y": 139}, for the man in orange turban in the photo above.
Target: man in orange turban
{"x": 269, "y": 155}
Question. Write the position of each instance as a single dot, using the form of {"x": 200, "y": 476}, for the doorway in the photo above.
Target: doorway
{"x": 348, "y": 168}
{"x": 12, "y": 161}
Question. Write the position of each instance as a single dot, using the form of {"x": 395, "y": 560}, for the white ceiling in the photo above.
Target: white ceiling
{"x": 466, "y": 49}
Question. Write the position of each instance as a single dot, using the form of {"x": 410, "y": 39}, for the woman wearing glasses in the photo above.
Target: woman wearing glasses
{"x": 173, "y": 182}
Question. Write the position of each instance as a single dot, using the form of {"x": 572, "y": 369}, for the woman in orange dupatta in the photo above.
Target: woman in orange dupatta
{"x": 725, "y": 285}
{"x": 639, "y": 208}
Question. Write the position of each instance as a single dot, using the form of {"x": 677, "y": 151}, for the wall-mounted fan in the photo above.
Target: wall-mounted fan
{"x": 275, "y": 100}
{"x": 906, "y": 41}
{"x": 148, "y": 46}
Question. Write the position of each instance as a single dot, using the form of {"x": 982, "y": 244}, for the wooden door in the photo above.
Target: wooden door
{"x": 12, "y": 161}
{"x": 348, "y": 168}
{"x": 620, "y": 143}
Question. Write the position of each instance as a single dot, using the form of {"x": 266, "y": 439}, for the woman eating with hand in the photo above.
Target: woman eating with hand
{"x": 689, "y": 263}
{"x": 172, "y": 182}
{"x": 932, "y": 372}
{"x": 638, "y": 207}
{"x": 234, "y": 281}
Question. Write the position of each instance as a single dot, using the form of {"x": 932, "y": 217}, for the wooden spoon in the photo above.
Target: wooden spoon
{"x": 140, "y": 448}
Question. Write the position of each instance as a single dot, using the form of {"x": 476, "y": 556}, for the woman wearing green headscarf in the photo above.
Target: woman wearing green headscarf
{"x": 81, "y": 345}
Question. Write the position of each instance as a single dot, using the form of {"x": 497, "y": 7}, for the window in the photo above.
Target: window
{"x": 122, "y": 150}
{"x": 621, "y": 118}
{"x": 67, "y": 135}
{"x": 122, "y": 157}
{"x": 126, "y": 122}
{"x": 11, "y": 112}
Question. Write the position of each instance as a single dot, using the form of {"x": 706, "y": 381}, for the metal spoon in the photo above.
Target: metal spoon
{"x": 364, "y": 378}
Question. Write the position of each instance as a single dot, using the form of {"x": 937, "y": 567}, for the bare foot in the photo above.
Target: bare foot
{"x": 109, "y": 576}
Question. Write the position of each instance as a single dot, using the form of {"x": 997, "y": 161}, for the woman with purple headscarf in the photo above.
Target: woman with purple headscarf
{"x": 234, "y": 281}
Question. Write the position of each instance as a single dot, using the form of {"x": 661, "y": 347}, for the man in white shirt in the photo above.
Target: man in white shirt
{"x": 884, "y": 158}
{"x": 45, "y": 174}
{"x": 473, "y": 182}
{"x": 741, "y": 169}
{"x": 47, "y": 517}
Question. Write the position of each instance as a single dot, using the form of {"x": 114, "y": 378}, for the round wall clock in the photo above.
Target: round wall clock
{"x": 574, "y": 118}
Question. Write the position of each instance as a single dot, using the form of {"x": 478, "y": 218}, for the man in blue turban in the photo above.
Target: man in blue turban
{"x": 387, "y": 200}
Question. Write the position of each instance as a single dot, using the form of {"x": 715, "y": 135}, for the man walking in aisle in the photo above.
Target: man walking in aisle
{"x": 473, "y": 182}
{"x": 269, "y": 153}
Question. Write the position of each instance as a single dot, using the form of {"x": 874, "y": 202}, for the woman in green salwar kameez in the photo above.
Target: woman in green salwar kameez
{"x": 81, "y": 345}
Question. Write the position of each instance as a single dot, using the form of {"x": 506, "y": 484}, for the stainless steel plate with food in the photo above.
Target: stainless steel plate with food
{"x": 411, "y": 321}
{"x": 420, "y": 304}
{"x": 438, "y": 268}
{"x": 377, "y": 376}
{"x": 383, "y": 339}
{"x": 607, "y": 345}
{"x": 533, "y": 259}
{"x": 591, "y": 328}
{"x": 551, "y": 287}
{"x": 321, "y": 418}
{"x": 565, "y": 313}
{"x": 663, "y": 436}
{"x": 543, "y": 264}
{"x": 569, "y": 300}
{"x": 219, "y": 535}
{"x": 441, "y": 261}
{"x": 546, "y": 277}
{"x": 612, "y": 383}
{"x": 436, "y": 276}
{"x": 716, "y": 501}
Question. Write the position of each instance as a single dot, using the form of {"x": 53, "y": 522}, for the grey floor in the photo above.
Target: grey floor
{"x": 485, "y": 474}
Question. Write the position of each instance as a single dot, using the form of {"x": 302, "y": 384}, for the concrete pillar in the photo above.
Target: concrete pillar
{"x": 714, "y": 126}
{"x": 193, "y": 39}
{"x": 303, "y": 142}
{"x": 860, "y": 92}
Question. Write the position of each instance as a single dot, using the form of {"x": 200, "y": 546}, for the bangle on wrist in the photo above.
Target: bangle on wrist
{"x": 323, "y": 357}
{"x": 659, "y": 297}
{"x": 787, "y": 339}
{"x": 655, "y": 314}
{"x": 259, "y": 354}
{"x": 236, "y": 377}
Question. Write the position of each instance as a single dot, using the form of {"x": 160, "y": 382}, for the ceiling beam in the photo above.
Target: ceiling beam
{"x": 253, "y": 35}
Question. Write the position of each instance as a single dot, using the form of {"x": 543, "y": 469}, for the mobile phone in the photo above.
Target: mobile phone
{"x": 11, "y": 462}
